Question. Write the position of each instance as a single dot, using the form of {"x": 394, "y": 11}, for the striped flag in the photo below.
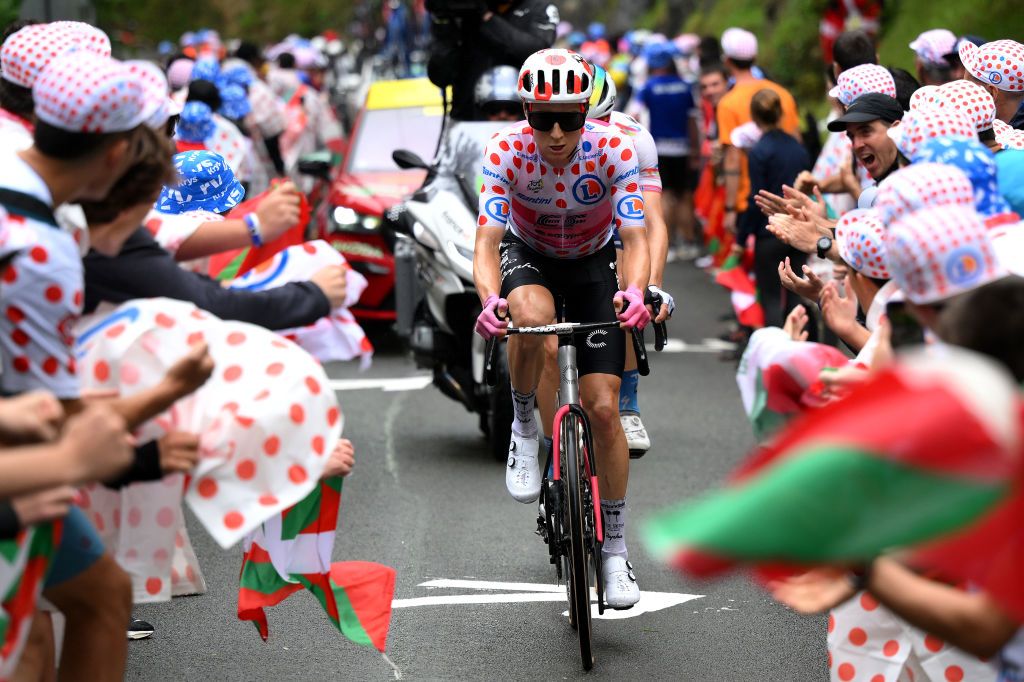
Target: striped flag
{"x": 292, "y": 552}
{"x": 927, "y": 452}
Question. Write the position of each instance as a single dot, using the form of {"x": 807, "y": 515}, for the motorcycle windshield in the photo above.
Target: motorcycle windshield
{"x": 462, "y": 152}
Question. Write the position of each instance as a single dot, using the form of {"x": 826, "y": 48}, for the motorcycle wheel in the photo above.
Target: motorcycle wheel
{"x": 499, "y": 417}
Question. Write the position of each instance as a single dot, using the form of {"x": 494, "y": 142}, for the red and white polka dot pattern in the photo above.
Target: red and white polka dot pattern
{"x": 999, "y": 63}
{"x": 1008, "y": 137}
{"x": 267, "y": 421}
{"x": 932, "y": 46}
{"x": 27, "y": 52}
{"x": 860, "y": 237}
{"x": 970, "y": 99}
{"x": 863, "y": 79}
{"x": 159, "y": 106}
{"x": 869, "y": 643}
{"x": 924, "y": 97}
{"x": 923, "y": 124}
{"x": 922, "y": 185}
{"x": 939, "y": 252}
{"x": 86, "y": 93}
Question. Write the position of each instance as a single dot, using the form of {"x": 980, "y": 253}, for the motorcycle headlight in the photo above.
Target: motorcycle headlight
{"x": 345, "y": 217}
{"x": 371, "y": 222}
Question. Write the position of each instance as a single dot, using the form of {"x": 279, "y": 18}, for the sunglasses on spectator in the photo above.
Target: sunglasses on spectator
{"x": 568, "y": 121}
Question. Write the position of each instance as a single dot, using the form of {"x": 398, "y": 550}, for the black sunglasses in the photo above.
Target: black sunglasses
{"x": 568, "y": 121}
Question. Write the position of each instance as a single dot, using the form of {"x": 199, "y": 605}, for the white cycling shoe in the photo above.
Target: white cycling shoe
{"x": 620, "y": 588}
{"x": 522, "y": 475}
{"x": 636, "y": 435}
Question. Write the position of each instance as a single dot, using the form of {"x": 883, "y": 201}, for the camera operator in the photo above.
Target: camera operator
{"x": 472, "y": 36}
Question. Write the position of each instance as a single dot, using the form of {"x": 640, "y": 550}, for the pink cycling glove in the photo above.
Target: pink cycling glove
{"x": 635, "y": 314}
{"x": 487, "y": 324}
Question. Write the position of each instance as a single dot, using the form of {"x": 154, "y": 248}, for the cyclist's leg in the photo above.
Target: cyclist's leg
{"x": 530, "y": 304}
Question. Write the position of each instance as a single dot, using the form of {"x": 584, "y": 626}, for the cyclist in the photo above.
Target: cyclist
{"x": 556, "y": 188}
{"x": 602, "y": 103}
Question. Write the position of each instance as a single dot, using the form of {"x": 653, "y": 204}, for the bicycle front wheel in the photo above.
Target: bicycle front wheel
{"x": 578, "y": 575}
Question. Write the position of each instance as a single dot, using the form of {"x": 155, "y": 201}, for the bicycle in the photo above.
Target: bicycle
{"x": 570, "y": 502}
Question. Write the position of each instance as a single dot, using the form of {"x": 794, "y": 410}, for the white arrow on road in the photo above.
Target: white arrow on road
{"x": 535, "y": 592}
{"x": 705, "y": 346}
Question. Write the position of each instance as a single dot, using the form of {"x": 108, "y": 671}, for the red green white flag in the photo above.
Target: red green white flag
{"x": 24, "y": 562}
{"x": 924, "y": 455}
{"x": 292, "y": 552}
{"x": 738, "y": 279}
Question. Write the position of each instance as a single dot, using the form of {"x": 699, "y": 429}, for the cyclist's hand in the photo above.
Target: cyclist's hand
{"x": 488, "y": 324}
{"x": 668, "y": 304}
{"x": 630, "y": 309}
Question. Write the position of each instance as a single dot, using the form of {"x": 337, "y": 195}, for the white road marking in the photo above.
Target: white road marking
{"x": 390, "y": 459}
{"x": 536, "y": 592}
{"x": 386, "y": 384}
{"x": 705, "y": 346}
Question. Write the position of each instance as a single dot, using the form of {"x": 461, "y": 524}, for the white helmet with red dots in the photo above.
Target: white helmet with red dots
{"x": 556, "y": 76}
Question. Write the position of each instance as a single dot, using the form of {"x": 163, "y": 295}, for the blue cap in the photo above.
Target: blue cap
{"x": 206, "y": 184}
{"x": 659, "y": 55}
{"x": 977, "y": 163}
{"x": 206, "y": 69}
{"x": 596, "y": 30}
{"x": 236, "y": 75}
{"x": 234, "y": 102}
{"x": 576, "y": 39}
{"x": 1010, "y": 169}
{"x": 195, "y": 123}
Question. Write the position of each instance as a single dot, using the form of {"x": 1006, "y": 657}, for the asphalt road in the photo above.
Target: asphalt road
{"x": 426, "y": 499}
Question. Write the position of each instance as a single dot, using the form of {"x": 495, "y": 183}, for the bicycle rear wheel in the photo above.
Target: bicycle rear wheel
{"x": 578, "y": 574}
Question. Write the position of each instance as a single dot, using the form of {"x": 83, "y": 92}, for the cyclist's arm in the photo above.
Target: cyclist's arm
{"x": 494, "y": 210}
{"x": 657, "y": 235}
{"x": 636, "y": 258}
{"x": 486, "y": 262}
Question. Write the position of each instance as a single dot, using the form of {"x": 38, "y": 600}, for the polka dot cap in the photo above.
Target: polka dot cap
{"x": 862, "y": 79}
{"x": 88, "y": 36}
{"x": 1007, "y": 137}
{"x": 922, "y": 124}
{"x": 970, "y": 99}
{"x": 939, "y": 252}
{"x": 1000, "y": 63}
{"x": 159, "y": 106}
{"x": 86, "y": 93}
{"x": 976, "y": 162}
{"x": 920, "y": 186}
{"x": 738, "y": 43}
{"x": 860, "y": 237}
{"x": 932, "y": 46}
{"x": 26, "y": 52}
{"x": 924, "y": 97}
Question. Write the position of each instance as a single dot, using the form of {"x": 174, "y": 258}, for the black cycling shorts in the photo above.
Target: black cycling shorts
{"x": 587, "y": 286}
{"x": 676, "y": 174}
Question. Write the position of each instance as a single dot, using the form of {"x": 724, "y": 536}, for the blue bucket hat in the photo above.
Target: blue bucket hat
{"x": 206, "y": 69}
{"x": 977, "y": 163}
{"x": 236, "y": 75}
{"x": 659, "y": 55}
{"x": 1010, "y": 166}
{"x": 234, "y": 102}
{"x": 206, "y": 184}
{"x": 195, "y": 123}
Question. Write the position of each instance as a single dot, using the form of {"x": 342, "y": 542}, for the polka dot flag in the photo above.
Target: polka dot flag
{"x": 266, "y": 422}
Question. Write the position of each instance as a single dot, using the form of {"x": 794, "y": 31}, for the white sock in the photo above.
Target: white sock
{"x": 613, "y": 516}
{"x": 523, "y": 423}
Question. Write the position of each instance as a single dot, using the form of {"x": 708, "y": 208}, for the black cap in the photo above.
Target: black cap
{"x": 871, "y": 106}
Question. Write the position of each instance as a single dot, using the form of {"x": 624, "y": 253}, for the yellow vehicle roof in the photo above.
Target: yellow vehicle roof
{"x": 403, "y": 94}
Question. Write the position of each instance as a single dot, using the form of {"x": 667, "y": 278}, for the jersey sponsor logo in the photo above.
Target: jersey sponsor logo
{"x": 588, "y": 190}
{"x": 535, "y": 185}
{"x": 631, "y": 207}
{"x": 533, "y": 200}
{"x": 591, "y": 343}
{"x": 497, "y": 209}
{"x": 630, "y": 172}
{"x": 491, "y": 174}
{"x": 554, "y": 220}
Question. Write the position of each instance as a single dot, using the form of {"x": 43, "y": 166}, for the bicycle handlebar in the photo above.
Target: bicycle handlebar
{"x": 574, "y": 328}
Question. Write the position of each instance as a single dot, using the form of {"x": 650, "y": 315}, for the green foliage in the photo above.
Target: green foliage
{"x": 9, "y": 11}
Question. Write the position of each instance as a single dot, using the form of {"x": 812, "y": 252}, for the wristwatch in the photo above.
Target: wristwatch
{"x": 824, "y": 246}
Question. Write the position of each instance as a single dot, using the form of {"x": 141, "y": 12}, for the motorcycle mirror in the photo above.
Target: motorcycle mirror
{"x": 316, "y": 164}
{"x": 406, "y": 159}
